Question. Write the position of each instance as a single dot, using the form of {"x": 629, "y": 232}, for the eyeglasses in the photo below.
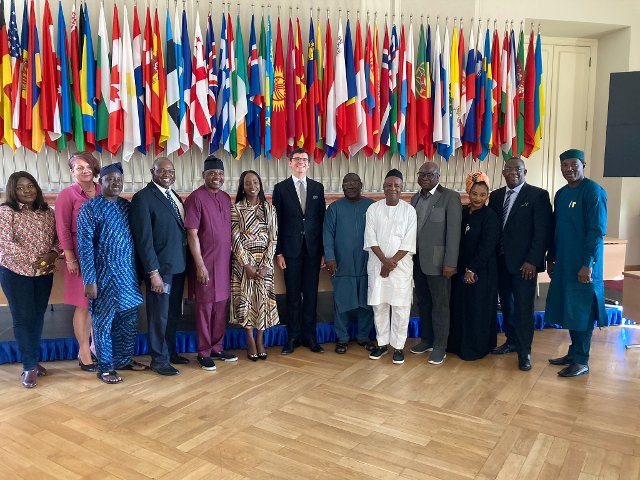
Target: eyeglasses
{"x": 24, "y": 188}
{"x": 80, "y": 168}
{"x": 428, "y": 175}
{"x": 299, "y": 159}
{"x": 168, "y": 171}
{"x": 513, "y": 169}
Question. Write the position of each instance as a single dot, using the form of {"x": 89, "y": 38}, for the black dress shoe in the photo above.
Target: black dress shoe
{"x": 316, "y": 348}
{"x": 504, "y": 349}
{"x": 178, "y": 359}
{"x": 566, "y": 360}
{"x": 166, "y": 370}
{"x": 288, "y": 348}
{"x": 574, "y": 370}
{"x": 524, "y": 362}
{"x": 87, "y": 367}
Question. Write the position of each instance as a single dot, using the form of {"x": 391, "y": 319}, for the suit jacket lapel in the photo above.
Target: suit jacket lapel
{"x": 163, "y": 199}
{"x": 519, "y": 200}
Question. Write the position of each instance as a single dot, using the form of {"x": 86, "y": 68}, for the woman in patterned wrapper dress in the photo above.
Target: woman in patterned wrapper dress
{"x": 254, "y": 232}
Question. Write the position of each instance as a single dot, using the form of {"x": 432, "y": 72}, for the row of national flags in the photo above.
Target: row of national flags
{"x": 153, "y": 88}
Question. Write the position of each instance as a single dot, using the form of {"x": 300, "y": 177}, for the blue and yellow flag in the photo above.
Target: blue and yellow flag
{"x": 87, "y": 80}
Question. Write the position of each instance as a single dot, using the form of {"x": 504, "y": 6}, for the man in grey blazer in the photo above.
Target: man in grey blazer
{"x": 439, "y": 214}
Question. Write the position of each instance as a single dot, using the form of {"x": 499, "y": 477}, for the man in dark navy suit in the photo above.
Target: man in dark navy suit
{"x": 157, "y": 224}
{"x": 300, "y": 207}
{"x": 527, "y": 224}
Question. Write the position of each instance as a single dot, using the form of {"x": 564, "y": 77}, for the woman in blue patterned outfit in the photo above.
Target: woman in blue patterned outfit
{"x": 107, "y": 261}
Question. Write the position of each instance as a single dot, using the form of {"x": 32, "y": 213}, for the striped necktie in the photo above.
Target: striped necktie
{"x": 174, "y": 205}
{"x": 505, "y": 207}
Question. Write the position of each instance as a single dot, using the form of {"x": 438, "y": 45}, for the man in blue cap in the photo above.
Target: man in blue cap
{"x": 107, "y": 261}
{"x": 575, "y": 262}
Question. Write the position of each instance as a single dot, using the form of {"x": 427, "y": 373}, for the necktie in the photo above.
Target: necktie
{"x": 174, "y": 205}
{"x": 302, "y": 195}
{"x": 505, "y": 207}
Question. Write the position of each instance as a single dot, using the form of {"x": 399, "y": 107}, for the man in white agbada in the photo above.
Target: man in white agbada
{"x": 390, "y": 234}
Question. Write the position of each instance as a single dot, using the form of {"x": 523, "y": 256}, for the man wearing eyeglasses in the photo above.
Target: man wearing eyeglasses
{"x": 300, "y": 207}
{"x": 157, "y": 225}
{"x": 525, "y": 213}
{"x": 439, "y": 213}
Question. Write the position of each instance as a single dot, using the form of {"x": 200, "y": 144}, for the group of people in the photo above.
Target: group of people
{"x": 457, "y": 261}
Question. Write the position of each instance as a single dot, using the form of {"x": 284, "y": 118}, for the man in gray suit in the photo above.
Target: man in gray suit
{"x": 439, "y": 214}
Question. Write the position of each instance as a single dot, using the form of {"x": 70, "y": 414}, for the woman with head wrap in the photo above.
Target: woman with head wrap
{"x": 474, "y": 292}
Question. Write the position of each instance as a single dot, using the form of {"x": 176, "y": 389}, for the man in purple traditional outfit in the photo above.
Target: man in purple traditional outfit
{"x": 208, "y": 224}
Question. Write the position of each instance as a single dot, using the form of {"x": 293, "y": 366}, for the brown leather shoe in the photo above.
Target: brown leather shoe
{"x": 29, "y": 378}
{"x": 42, "y": 372}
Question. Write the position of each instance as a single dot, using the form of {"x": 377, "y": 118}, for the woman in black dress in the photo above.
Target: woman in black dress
{"x": 474, "y": 292}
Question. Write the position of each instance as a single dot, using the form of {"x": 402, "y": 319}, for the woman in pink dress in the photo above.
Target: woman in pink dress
{"x": 84, "y": 168}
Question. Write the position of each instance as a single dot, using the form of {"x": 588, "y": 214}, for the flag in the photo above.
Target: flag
{"x": 411, "y": 118}
{"x": 361, "y": 95}
{"x": 509, "y": 131}
{"x": 50, "y": 105}
{"x": 268, "y": 90}
{"x": 103, "y": 81}
{"x": 223, "y": 102}
{"x": 454, "y": 95}
{"x": 312, "y": 96}
{"x": 254, "y": 106}
{"x": 233, "y": 138}
{"x": 262, "y": 76}
{"x": 321, "y": 100}
{"x": 529, "y": 99}
{"x": 496, "y": 93}
{"x": 423, "y": 94}
{"x": 341, "y": 94}
{"x": 370, "y": 103}
{"x": 62, "y": 74}
{"x": 88, "y": 81}
{"x": 385, "y": 92}
{"x": 211, "y": 60}
{"x": 469, "y": 135}
{"x": 487, "y": 102}
{"x": 538, "y": 109}
{"x": 33, "y": 135}
{"x": 240, "y": 80}
{"x": 147, "y": 81}
{"x": 290, "y": 85}
{"x": 375, "y": 121}
{"x": 5, "y": 80}
{"x": 159, "y": 112}
{"x": 462, "y": 62}
{"x": 76, "y": 110}
{"x": 115, "y": 126}
{"x": 129, "y": 92}
{"x": 445, "y": 146}
{"x": 329, "y": 92}
{"x": 199, "y": 111}
{"x": 437, "y": 90}
{"x": 266, "y": 53}
{"x": 173, "y": 86}
{"x": 136, "y": 59}
{"x": 278, "y": 107}
{"x": 394, "y": 90}
{"x": 518, "y": 106}
{"x": 348, "y": 127}
{"x": 185, "y": 86}
{"x": 300, "y": 90}
{"x": 401, "y": 121}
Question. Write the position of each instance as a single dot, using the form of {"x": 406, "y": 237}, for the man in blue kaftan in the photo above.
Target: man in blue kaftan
{"x": 107, "y": 262}
{"x": 575, "y": 262}
{"x": 343, "y": 237}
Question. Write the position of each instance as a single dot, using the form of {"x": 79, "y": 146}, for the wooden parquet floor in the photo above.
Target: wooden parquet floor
{"x": 310, "y": 416}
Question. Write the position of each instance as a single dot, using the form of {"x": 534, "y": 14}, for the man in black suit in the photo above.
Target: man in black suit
{"x": 157, "y": 224}
{"x": 526, "y": 217}
{"x": 300, "y": 207}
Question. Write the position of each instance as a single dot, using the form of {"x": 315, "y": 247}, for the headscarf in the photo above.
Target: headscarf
{"x": 477, "y": 177}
